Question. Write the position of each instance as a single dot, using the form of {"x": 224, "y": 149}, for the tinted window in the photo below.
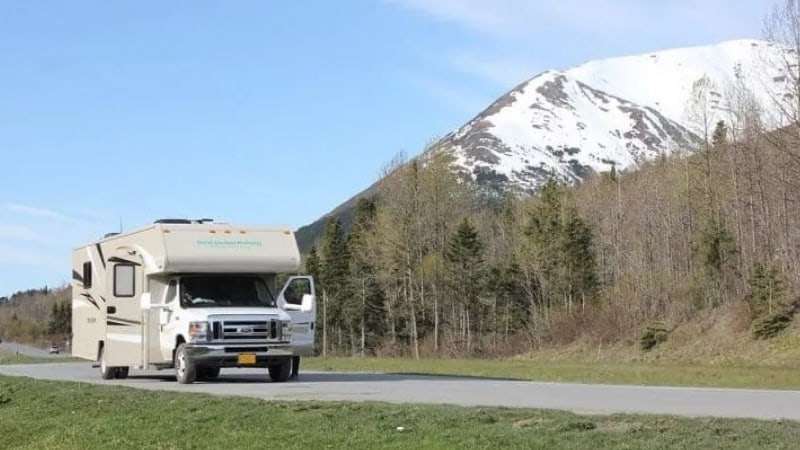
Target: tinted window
{"x": 87, "y": 274}
{"x": 224, "y": 290}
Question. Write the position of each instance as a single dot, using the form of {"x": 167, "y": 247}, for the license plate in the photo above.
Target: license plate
{"x": 247, "y": 358}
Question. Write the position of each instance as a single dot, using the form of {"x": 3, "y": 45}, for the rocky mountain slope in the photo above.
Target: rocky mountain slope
{"x": 612, "y": 112}
{"x": 555, "y": 123}
{"x": 608, "y": 113}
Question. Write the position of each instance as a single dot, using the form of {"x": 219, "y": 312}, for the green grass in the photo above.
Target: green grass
{"x": 44, "y": 414}
{"x": 10, "y": 358}
{"x": 654, "y": 374}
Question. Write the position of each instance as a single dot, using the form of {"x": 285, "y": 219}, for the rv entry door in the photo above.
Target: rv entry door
{"x": 291, "y": 299}
{"x": 123, "y": 344}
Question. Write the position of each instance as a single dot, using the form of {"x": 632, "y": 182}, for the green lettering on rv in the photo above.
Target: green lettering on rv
{"x": 227, "y": 243}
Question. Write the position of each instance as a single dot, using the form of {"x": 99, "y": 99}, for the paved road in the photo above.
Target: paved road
{"x": 587, "y": 399}
{"x": 27, "y": 350}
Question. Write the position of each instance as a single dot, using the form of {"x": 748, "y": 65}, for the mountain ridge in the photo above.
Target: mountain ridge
{"x": 602, "y": 114}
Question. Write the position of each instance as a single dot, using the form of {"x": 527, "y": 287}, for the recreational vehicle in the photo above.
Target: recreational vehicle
{"x": 194, "y": 296}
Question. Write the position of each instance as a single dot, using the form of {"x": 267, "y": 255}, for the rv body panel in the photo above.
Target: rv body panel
{"x": 88, "y": 303}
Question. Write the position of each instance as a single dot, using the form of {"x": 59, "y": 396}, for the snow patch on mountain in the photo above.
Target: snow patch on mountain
{"x": 612, "y": 113}
{"x": 556, "y": 124}
{"x": 663, "y": 80}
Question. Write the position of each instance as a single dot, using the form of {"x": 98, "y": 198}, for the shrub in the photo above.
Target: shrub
{"x": 768, "y": 326}
{"x": 653, "y": 335}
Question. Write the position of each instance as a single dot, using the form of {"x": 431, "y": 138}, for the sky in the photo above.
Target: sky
{"x": 114, "y": 114}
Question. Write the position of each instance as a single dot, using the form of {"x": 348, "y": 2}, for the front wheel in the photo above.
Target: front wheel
{"x": 208, "y": 373}
{"x": 295, "y": 366}
{"x": 185, "y": 370}
{"x": 280, "y": 372}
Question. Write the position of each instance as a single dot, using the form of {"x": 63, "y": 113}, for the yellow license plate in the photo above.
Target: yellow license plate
{"x": 247, "y": 358}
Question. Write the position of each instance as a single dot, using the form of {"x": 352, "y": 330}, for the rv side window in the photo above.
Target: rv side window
{"x": 124, "y": 280}
{"x": 172, "y": 291}
{"x": 87, "y": 275}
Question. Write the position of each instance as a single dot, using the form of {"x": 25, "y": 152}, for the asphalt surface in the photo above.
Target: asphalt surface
{"x": 580, "y": 398}
{"x": 27, "y": 350}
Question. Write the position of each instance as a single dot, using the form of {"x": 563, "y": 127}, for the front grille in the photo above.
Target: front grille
{"x": 241, "y": 330}
{"x": 248, "y": 330}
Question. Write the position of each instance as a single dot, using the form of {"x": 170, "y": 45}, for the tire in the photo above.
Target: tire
{"x": 295, "y": 366}
{"x": 185, "y": 370}
{"x": 208, "y": 373}
{"x": 280, "y": 372}
{"x": 122, "y": 372}
{"x": 106, "y": 372}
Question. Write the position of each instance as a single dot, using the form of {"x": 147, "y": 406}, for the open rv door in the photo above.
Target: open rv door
{"x": 298, "y": 298}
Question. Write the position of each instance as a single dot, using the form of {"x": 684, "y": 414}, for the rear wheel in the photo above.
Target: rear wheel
{"x": 106, "y": 372}
{"x": 280, "y": 372}
{"x": 185, "y": 370}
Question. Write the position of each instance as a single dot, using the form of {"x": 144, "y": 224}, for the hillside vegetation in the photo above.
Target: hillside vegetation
{"x": 37, "y": 316}
{"x": 692, "y": 254}
{"x": 698, "y": 249}
{"x": 692, "y": 257}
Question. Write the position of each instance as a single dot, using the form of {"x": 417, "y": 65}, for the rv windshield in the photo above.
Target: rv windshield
{"x": 224, "y": 291}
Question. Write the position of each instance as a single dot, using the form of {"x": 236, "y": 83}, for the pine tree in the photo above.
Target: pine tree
{"x": 716, "y": 246}
{"x": 334, "y": 279}
{"x": 312, "y": 263}
{"x": 562, "y": 247}
{"x": 54, "y": 323}
{"x": 720, "y": 135}
{"x": 367, "y": 305}
{"x": 579, "y": 259}
{"x": 67, "y": 317}
{"x": 312, "y": 268}
{"x": 767, "y": 291}
{"x": 464, "y": 254}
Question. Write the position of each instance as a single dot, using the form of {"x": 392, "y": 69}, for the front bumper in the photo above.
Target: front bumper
{"x": 227, "y": 355}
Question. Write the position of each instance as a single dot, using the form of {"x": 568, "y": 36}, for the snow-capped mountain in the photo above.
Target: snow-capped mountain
{"x": 554, "y": 123}
{"x": 609, "y": 113}
{"x": 663, "y": 80}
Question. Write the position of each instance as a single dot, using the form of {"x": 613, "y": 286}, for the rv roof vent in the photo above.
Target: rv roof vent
{"x": 108, "y": 235}
{"x": 173, "y": 221}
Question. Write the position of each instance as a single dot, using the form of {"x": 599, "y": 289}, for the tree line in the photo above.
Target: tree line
{"x": 433, "y": 264}
{"x": 37, "y": 316}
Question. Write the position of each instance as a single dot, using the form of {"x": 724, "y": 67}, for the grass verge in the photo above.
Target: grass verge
{"x": 44, "y": 414}
{"x": 653, "y": 374}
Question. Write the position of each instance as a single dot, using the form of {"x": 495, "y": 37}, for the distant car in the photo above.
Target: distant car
{"x": 53, "y": 349}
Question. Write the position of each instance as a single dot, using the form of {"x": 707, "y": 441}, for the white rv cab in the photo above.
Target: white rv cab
{"x": 194, "y": 296}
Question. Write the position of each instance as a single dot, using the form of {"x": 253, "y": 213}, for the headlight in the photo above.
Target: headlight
{"x": 198, "y": 331}
{"x": 286, "y": 330}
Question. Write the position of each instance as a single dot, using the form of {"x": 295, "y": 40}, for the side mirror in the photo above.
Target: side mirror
{"x": 307, "y": 304}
